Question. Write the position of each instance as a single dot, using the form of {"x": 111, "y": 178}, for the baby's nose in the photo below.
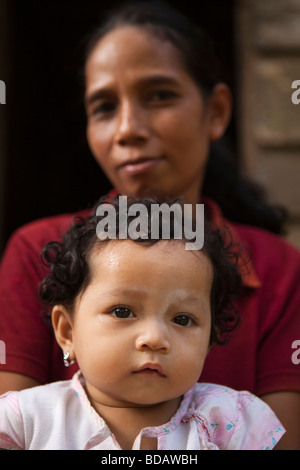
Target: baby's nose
{"x": 153, "y": 337}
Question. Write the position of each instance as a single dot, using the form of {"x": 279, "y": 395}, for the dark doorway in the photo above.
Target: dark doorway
{"x": 48, "y": 166}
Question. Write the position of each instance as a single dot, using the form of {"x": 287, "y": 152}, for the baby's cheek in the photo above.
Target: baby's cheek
{"x": 193, "y": 365}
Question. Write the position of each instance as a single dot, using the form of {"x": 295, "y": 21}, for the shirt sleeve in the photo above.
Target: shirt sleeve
{"x": 11, "y": 424}
{"x": 278, "y": 319}
{"x": 256, "y": 426}
{"x": 23, "y": 329}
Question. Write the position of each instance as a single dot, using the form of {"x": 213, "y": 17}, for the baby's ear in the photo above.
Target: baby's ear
{"x": 63, "y": 328}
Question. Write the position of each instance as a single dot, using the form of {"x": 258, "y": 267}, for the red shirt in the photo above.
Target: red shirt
{"x": 258, "y": 357}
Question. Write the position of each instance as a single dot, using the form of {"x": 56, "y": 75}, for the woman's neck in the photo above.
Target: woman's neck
{"x": 192, "y": 194}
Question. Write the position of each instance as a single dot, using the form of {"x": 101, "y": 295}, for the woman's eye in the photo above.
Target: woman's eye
{"x": 183, "y": 320}
{"x": 122, "y": 312}
{"x": 161, "y": 95}
{"x": 104, "y": 108}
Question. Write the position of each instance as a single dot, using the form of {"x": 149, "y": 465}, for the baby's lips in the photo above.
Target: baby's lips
{"x": 151, "y": 367}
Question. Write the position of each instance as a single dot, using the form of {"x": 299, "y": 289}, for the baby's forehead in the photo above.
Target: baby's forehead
{"x": 163, "y": 271}
{"x": 125, "y": 253}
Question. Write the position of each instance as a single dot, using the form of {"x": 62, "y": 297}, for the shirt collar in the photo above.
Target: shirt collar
{"x": 102, "y": 438}
{"x": 245, "y": 263}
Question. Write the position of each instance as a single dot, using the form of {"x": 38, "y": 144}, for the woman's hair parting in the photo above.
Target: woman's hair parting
{"x": 241, "y": 200}
{"x": 68, "y": 261}
{"x": 166, "y": 23}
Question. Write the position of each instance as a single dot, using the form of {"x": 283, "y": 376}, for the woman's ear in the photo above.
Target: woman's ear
{"x": 63, "y": 329}
{"x": 220, "y": 103}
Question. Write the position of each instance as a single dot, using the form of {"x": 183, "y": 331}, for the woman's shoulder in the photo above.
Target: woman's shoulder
{"x": 263, "y": 241}
{"x": 267, "y": 250}
{"x": 51, "y": 224}
{"x": 261, "y": 244}
{"x": 37, "y": 233}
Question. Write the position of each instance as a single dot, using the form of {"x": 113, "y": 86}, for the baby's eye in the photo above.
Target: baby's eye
{"x": 183, "y": 320}
{"x": 122, "y": 312}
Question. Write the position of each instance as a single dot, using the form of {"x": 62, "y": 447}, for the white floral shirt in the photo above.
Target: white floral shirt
{"x": 60, "y": 416}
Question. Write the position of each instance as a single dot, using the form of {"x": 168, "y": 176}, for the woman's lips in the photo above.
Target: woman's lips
{"x": 142, "y": 165}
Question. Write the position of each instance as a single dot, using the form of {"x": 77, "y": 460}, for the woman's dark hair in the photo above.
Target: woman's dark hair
{"x": 241, "y": 200}
{"x": 70, "y": 271}
{"x": 165, "y": 22}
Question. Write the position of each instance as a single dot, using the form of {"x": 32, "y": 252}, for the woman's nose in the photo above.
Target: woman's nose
{"x": 132, "y": 126}
{"x": 153, "y": 337}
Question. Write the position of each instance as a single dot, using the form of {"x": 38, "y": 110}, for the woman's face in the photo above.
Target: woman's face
{"x": 148, "y": 124}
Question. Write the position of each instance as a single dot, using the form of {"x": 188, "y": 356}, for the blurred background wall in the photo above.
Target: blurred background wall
{"x": 268, "y": 61}
{"x": 45, "y": 165}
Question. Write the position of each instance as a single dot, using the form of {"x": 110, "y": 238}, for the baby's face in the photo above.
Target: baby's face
{"x": 141, "y": 329}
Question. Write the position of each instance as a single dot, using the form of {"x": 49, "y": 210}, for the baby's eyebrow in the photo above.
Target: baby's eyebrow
{"x": 125, "y": 292}
{"x": 193, "y": 299}
{"x": 180, "y": 300}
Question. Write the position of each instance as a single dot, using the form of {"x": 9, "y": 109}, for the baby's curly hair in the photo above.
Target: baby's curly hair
{"x": 70, "y": 275}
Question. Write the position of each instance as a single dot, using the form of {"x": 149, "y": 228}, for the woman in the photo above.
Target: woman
{"x": 155, "y": 105}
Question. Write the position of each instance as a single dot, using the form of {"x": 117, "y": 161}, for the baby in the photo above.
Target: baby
{"x": 139, "y": 317}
